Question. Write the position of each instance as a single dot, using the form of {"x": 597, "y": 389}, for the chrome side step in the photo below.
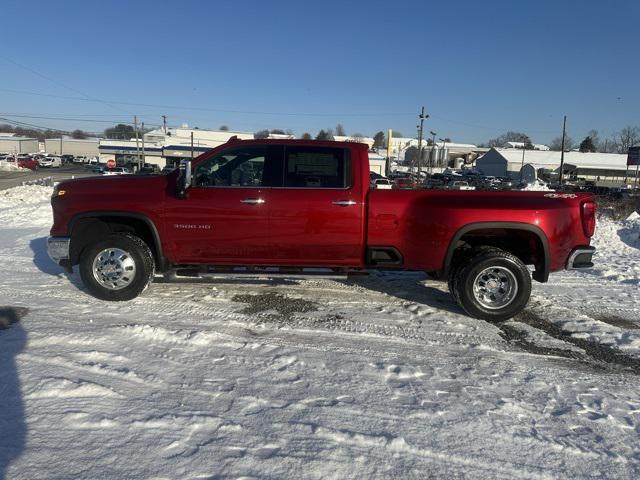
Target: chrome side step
{"x": 254, "y": 273}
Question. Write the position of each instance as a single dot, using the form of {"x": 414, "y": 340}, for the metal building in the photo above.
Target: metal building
{"x": 16, "y": 145}
{"x": 71, "y": 146}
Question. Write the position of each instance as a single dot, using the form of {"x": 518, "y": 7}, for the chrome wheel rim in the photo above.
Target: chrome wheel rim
{"x": 114, "y": 268}
{"x": 495, "y": 287}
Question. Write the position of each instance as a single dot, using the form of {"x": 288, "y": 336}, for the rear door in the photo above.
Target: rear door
{"x": 225, "y": 218}
{"x": 316, "y": 215}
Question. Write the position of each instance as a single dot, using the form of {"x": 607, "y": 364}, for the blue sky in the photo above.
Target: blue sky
{"x": 479, "y": 68}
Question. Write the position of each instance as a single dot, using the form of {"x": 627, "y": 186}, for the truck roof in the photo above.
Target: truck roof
{"x": 283, "y": 141}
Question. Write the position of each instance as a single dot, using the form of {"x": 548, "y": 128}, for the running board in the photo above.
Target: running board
{"x": 248, "y": 273}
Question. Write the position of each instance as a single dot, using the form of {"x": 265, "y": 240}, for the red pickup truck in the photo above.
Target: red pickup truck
{"x": 289, "y": 205}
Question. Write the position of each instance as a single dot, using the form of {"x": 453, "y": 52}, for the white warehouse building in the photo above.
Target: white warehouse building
{"x": 603, "y": 169}
{"x": 10, "y": 143}
{"x": 71, "y": 146}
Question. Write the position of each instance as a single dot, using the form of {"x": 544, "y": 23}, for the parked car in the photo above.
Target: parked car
{"x": 250, "y": 203}
{"x": 460, "y": 185}
{"x": 382, "y": 184}
{"x": 51, "y": 162}
{"x": 28, "y": 162}
{"x": 79, "y": 159}
{"x": 98, "y": 169}
{"x": 117, "y": 171}
{"x": 149, "y": 169}
{"x": 404, "y": 183}
{"x": 433, "y": 183}
{"x": 167, "y": 169}
{"x": 66, "y": 158}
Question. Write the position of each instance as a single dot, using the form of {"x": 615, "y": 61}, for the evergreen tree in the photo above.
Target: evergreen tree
{"x": 587, "y": 145}
{"x": 322, "y": 135}
{"x": 379, "y": 140}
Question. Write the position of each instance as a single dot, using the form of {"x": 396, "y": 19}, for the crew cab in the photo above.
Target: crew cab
{"x": 290, "y": 205}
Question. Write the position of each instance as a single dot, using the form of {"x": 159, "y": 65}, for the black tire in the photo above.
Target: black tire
{"x": 495, "y": 260}
{"x": 140, "y": 254}
{"x": 461, "y": 258}
{"x": 452, "y": 281}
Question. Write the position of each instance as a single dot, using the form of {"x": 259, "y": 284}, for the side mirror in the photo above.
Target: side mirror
{"x": 184, "y": 178}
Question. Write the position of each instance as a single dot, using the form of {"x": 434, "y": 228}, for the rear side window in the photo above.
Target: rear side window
{"x": 317, "y": 167}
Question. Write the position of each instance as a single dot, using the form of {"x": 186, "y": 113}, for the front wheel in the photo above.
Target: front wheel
{"x": 494, "y": 285}
{"x": 117, "y": 268}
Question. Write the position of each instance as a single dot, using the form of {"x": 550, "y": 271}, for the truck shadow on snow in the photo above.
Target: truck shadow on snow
{"x": 408, "y": 286}
{"x": 13, "y": 428}
{"x": 42, "y": 261}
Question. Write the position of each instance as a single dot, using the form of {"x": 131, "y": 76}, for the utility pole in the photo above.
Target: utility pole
{"x": 135, "y": 126}
{"x": 164, "y": 123}
{"x": 522, "y": 166}
{"x": 143, "y": 157}
{"x": 635, "y": 184}
{"x": 564, "y": 130}
{"x": 191, "y": 144}
{"x": 60, "y": 144}
{"x": 433, "y": 146}
{"x": 422, "y": 117}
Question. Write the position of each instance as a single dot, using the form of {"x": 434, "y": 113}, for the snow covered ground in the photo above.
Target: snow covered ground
{"x": 382, "y": 377}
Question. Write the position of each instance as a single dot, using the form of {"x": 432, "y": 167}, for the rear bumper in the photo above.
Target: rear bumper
{"x": 580, "y": 258}
{"x": 58, "y": 249}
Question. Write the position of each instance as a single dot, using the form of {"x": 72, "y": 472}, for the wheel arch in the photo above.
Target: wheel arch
{"x": 87, "y": 226}
{"x": 485, "y": 230}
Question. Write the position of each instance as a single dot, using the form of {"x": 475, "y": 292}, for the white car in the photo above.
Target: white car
{"x": 461, "y": 186}
{"x": 117, "y": 171}
{"x": 381, "y": 184}
{"x": 53, "y": 162}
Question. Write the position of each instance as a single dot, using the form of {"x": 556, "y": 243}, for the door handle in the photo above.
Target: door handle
{"x": 253, "y": 201}
{"x": 345, "y": 203}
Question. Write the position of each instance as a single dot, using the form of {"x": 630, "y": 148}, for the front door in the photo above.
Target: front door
{"x": 225, "y": 217}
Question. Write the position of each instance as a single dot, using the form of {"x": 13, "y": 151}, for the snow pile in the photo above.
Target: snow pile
{"x": 25, "y": 194}
{"x": 11, "y": 167}
{"x": 26, "y": 205}
{"x": 617, "y": 245}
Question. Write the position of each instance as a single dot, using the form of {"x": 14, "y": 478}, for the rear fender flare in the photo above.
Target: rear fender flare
{"x": 539, "y": 275}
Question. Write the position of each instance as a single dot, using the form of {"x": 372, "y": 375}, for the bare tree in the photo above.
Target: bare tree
{"x": 340, "y": 130}
{"x": 595, "y": 139}
{"x": 511, "y": 137}
{"x": 556, "y": 144}
{"x": 610, "y": 145}
{"x": 627, "y": 137}
{"x": 306, "y": 136}
{"x": 223, "y": 128}
{"x": 78, "y": 134}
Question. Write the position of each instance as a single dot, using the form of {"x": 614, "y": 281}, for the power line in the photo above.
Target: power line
{"x": 218, "y": 110}
{"x": 32, "y": 126}
{"x": 66, "y": 119}
{"x": 56, "y": 82}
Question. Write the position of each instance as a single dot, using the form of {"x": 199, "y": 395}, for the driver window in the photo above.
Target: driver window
{"x": 238, "y": 167}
